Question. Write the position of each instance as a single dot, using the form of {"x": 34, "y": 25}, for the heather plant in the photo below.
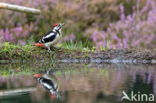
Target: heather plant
{"x": 78, "y": 16}
{"x": 98, "y": 22}
{"x": 16, "y": 35}
{"x": 134, "y": 30}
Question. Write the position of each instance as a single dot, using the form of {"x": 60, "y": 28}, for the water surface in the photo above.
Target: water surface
{"x": 78, "y": 83}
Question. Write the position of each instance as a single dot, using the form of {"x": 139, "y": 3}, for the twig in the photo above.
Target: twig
{"x": 16, "y": 91}
{"x": 19, "y": 8}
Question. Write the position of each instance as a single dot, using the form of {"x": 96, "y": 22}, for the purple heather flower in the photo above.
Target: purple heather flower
{"x": 134, "y": 29}
{"x": 21, "y": 42}
{"x": 68, "y": 38}
{"x": 122, "y": 14}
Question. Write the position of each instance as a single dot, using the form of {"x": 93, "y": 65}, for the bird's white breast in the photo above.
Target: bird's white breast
{"x": 54, "y": 41}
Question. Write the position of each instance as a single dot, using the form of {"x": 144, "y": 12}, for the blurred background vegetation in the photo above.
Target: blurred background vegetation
{"x": 92, "y": 23}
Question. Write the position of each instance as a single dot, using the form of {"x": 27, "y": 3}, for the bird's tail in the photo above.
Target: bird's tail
{"x": 39, "y": 44}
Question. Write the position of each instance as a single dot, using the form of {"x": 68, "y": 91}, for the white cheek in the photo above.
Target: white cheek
{"x": 55, "y": 28}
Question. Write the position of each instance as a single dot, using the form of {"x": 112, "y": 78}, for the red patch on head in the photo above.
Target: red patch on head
{"x": 54, "y": 25}
{"x": 39, "y": 44}
{"x": 37, "y": 75}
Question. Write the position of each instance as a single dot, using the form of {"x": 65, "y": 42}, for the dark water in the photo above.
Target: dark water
{"x": 78, "y": 83}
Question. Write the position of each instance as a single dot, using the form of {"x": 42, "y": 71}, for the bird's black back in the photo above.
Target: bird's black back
{"x": 49, "y": 82}
{"x": 46, "y": 39}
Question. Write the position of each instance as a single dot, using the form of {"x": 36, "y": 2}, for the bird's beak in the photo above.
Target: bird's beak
{"x": 61, "y": 25}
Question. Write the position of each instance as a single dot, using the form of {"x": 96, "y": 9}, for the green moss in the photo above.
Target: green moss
{"x": 11, "y": 51}
{"x": 75, "y": 46}
{"x": 18, "y": 53}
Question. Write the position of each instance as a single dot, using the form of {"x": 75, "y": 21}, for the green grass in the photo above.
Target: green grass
{"x": 16, "y": 53}
{"x": 8, "y": 47}
{"x": 76, "y": 46}
{"x": 29, "y": 52}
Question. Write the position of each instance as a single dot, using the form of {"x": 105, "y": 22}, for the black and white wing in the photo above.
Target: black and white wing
{"x": 48, "y": 84}
{"x": 49, "y": 36}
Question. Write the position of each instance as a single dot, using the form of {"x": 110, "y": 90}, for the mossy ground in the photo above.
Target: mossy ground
{"x": 13, "y": 52}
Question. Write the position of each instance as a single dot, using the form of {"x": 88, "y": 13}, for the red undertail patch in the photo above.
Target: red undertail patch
{"x": 39, "y": 44}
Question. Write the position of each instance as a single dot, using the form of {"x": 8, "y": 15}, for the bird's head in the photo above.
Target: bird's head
{"x": 57, "y": 26}
{"x": 37, "y": 76}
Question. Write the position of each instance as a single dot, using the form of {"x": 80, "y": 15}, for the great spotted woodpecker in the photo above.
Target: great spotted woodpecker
{"x": 51, "y": 37}
{"x": 48, "y": 83}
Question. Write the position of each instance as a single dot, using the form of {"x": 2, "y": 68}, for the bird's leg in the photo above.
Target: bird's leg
{"x": 49, "y": 49}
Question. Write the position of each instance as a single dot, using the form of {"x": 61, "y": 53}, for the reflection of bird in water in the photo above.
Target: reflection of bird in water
{"x": 48, "y": 82}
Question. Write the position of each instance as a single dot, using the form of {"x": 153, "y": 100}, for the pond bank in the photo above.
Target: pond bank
{"x": 13, "y": 53}
{"x": 111, "y": 56}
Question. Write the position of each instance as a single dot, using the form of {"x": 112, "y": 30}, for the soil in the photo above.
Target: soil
{"x": 110, "y": 56}
{"x": 75, "y": 56}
